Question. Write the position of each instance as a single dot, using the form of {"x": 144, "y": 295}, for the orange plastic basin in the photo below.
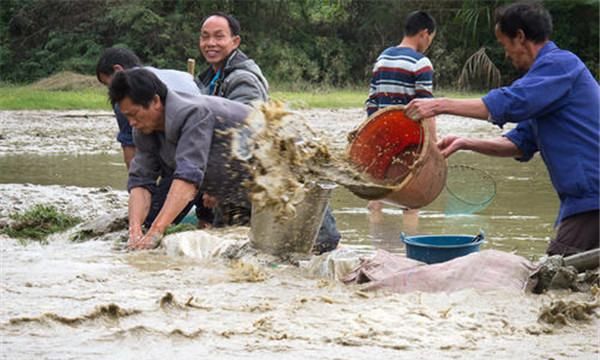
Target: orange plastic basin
{"x": 387, "y": 145}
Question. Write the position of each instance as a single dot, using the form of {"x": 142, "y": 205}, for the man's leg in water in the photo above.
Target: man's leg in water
{"x": 329, "y": 236}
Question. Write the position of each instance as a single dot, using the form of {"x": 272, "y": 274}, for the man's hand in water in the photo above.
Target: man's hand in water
{"x": 138, "y": 241}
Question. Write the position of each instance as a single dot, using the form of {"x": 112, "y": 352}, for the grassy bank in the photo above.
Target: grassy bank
{"x": 28, "y": 98}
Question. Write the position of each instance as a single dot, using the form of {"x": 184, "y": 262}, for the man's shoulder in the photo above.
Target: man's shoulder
{"x": 170, "y": 72}
{"x": 179, "y": 81}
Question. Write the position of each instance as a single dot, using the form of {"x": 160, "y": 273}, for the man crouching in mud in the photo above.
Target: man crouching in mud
{"x": 182, "y": 139}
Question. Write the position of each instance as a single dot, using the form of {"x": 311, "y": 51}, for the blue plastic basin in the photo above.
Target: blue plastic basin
{"x": 433, "y": 249}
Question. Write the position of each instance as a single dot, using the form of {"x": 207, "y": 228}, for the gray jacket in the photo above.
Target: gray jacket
{"x": 195, "y": 147}
{"x": 240, "y": 80}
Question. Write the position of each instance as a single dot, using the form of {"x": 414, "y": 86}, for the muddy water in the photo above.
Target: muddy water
{"x": 92, "y": 300}
{"x": 519, "y": 219}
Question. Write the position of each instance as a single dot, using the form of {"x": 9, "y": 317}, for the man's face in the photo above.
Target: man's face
{"x": 515, "y": 49}
{"x": 216, "y": 41}
{"x": 145, "y": 119}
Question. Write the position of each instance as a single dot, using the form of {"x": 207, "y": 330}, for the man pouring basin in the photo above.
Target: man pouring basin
{"x": 556, "y": 108}
{"x": 183, "y": 139}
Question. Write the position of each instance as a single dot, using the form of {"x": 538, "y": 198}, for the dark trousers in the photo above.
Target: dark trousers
{"x": 159, "y": 195}
{"x": 577, "y": 233}
{"x": 223, "y": 215}
{"x": 329, "y": 236}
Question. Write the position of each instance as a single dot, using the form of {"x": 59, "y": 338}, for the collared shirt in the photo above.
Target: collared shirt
{"x": 195, "y": 146}
{"x": 556, "y": 106}
{"x": 179, "y": 81}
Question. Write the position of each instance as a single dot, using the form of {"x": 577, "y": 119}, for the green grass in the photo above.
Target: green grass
{"x": 25, "y": 98}
{"x": 39, "y": 222}
{"x": 325, "y": 99}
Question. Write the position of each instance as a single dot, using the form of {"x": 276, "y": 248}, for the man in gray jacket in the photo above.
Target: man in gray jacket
{"x": 181, "y": 139}
{"x": 114, "y": 60}
{"x": 231, "y": 74}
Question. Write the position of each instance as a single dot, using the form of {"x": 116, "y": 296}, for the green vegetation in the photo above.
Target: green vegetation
{"x": 315, "y": 42}
{"x": 24, "y": 98}
{"x": 39, "y": 222}
{"x": 180, "y": 228}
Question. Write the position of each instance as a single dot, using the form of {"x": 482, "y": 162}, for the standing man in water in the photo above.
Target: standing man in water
{"x": 556, "y": 107}
{"x": 185, "y": 141}
{"x": 403, "y": 73}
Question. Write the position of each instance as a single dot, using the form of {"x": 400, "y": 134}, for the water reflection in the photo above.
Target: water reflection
{"x": 78, "y": 170}
{"x": 519, "y": 219}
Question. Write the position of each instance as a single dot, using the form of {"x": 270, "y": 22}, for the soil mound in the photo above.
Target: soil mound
{"x": 66, "y": 81}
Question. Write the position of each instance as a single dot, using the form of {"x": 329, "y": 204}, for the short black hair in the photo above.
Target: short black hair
{"x": 139, "y": 84}
{"x": 531, "y": 17}
{"x": 234, "y": 24}
{"x": 116, "y": 56}
{"x": 417, "y": 21}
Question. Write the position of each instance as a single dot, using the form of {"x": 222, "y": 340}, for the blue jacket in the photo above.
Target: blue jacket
{"x": 556, "y": 105}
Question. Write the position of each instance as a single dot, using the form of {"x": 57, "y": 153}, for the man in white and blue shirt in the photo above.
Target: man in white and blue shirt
{"x": 402, "y": 72}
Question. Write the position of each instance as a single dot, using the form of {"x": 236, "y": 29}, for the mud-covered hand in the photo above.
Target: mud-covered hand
{"x": 150, "y": 240}
{"x": 450, "y": 144}
{"x": 135, "y": 234}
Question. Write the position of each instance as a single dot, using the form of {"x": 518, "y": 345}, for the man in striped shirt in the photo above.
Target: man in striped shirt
{"x": 402, "y": 72}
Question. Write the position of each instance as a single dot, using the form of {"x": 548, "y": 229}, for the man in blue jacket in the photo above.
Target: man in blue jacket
{"x": 556, "y": 107}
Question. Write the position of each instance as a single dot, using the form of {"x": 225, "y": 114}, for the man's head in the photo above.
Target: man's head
{"x": 141, "y": 97}
{"x": 521, "y": 27}
{"x": 219, "y": 37}
{"x": 113, "y": 60}
{"x": 420, "y": 26}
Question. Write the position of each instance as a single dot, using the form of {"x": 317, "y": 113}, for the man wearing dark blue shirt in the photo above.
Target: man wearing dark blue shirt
{"x": 556, "y": 107}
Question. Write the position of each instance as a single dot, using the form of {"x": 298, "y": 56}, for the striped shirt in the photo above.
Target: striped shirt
{"x": 399, "y": 75}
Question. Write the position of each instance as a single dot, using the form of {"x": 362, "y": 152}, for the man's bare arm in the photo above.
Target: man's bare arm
{"x": 180, "y": 194}
{"x": 425, "y": 108}
{"x": 500, "y": 146}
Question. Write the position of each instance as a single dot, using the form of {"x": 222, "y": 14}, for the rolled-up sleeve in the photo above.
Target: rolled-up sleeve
{"x": 540, "y": 91}
{"x": 193, "y": 147}
{"x": 522, "y": 136}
